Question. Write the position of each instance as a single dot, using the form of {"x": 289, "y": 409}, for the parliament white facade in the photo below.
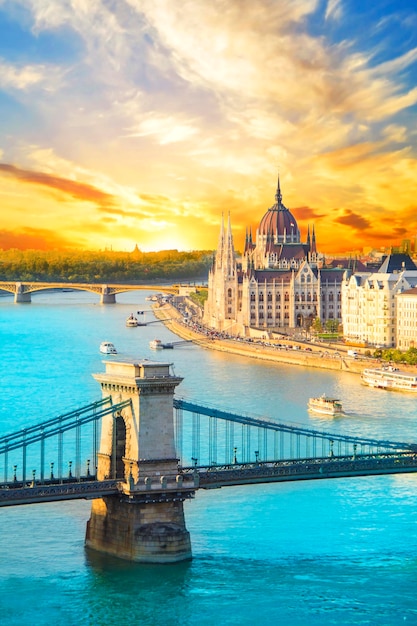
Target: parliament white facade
{"x": 279, "y": 283}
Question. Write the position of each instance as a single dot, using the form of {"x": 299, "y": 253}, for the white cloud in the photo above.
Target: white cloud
{"x": 334, "y": 10}
{"x": 22, "y": 78}
{"x": 165, "y": 129}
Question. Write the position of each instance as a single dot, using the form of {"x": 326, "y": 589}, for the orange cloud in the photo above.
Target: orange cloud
{"x": 77, "y": 190}
{"x": 354, "y": 220}
{"x": 36, "y": 239}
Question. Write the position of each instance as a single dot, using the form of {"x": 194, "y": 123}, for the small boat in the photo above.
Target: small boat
{"x": 156, "y": 344}
{"x": 106, "y": 347}
{"x": 390, "y": 378}
{"x": 131, "y": 321}
{"x": 325, "y": 405}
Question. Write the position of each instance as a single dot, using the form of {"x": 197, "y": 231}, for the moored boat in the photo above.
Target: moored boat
{"x": 325, "y": 405}
{"x": 106, "y": 347}
{"x": 131, "y": 321}
{"x": 389, "y": 378}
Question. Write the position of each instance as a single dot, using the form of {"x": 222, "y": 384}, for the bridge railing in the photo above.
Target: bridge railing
{"x": 63, "y": 448}
{"x": 208, "y": 436}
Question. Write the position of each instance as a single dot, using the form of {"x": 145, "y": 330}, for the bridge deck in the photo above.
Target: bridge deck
{"x": 304, "y": 469}
{"x": 12, "y": 494}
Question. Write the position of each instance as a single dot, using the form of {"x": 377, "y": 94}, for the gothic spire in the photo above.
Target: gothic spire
{"x": 313, "y": 242}
{"x": 278, "y": 195}
{"x": 220, "y": 245}
{"x": 229, "y": 256}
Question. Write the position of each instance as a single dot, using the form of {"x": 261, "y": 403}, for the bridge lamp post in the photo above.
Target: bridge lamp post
{"x": 234, "y": 455}
{"x": 14, "y": 473}
{"x": 33, "y": 477}
{"x": 88, "y": 467}
{"x": 256, "y": 456}
{"x": 52, "y": 470}
{"x": 69, "y": 469}
{"x": 331, "y": 447}
{"x": 194, "y": 461}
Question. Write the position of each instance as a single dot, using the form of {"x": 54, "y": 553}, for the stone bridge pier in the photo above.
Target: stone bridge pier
{"x": 107, "y": 296}
{"x": 21, "y": 295}
{"x": 145, "y": 522}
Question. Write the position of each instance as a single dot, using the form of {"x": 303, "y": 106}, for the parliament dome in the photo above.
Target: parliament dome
{"x": 278, "y": 223}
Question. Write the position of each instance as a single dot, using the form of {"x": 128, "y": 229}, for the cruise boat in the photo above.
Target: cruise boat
{"x": 390, "y": 378}
{"x": 156, "y": 344}
{"x": 131, "y": 321}
{"x": 325, "y": 405}
{"x": 106, "y": 347}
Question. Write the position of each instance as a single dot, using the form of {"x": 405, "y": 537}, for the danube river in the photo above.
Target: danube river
{"x": 311, "y": 553}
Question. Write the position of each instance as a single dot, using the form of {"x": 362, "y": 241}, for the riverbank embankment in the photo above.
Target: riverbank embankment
{"x": 314, "y": 357}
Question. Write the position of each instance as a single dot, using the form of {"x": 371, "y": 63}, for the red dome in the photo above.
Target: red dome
{"x": 279, "y": 223}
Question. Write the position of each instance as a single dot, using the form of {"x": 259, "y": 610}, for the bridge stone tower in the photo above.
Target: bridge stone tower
{"x": 145, "y": 523}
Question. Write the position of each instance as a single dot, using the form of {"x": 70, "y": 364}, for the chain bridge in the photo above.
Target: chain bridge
{"x": 140, "y": 452}
{"x": 57, "y": 459}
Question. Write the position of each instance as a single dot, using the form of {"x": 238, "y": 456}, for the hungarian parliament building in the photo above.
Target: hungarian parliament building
{"x": 280, "y": 283}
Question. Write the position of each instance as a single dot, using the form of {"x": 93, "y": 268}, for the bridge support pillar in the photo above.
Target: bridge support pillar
{"x": 20, "y": 295}
{"x": 107, "y": 297}
{"x": 145, "y": 523}
{"x": 151, "y": 532}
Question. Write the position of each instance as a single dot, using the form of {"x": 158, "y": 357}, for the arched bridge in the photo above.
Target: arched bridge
{"x": 22, "y": 290}
{"x": 57, "y": 459}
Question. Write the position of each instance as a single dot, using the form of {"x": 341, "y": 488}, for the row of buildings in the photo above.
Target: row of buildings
{"x": 280, "y": 284}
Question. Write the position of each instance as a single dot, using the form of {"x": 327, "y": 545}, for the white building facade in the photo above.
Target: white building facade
{"x": 369, "y": 301}
{"x": 407, "y": 319}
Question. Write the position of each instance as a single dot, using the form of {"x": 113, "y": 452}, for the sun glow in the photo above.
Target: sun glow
{"x": 154, "y": 155}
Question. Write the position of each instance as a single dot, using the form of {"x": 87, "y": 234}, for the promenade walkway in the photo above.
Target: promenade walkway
{"x": 315, "y": 356}
{"x": 320, "y": 356}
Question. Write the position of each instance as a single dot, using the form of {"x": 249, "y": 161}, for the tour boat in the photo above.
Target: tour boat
{"x": 156, "y": 344}
{"x": 390, "y": 378}
{"x": 325, "y": 405}
{"x": 131, "y": 321}
{"x": 106, "y": 347}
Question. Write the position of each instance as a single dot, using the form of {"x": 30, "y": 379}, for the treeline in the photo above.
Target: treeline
{"x": 108, "y": 266}
{"x": 393, "y": 355}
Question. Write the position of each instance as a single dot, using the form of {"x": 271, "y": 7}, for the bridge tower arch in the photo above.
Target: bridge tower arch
{"x": 145, "y": 523}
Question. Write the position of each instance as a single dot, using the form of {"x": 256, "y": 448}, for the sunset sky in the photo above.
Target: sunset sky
{"x": 130, "y": 122}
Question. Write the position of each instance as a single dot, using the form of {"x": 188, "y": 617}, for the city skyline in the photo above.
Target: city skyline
{"x": 141, "y": 122}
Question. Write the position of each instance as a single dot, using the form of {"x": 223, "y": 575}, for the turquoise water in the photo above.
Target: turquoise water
{"x": 324, "y": 552}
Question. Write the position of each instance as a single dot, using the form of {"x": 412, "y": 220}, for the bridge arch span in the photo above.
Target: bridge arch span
{"x": 22, "y": 290}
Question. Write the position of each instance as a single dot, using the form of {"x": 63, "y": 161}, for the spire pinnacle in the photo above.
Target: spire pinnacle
{"x": 278, "y": 195}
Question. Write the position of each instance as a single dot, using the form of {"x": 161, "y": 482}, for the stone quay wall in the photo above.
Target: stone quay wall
{"x": 320, "y": 356}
